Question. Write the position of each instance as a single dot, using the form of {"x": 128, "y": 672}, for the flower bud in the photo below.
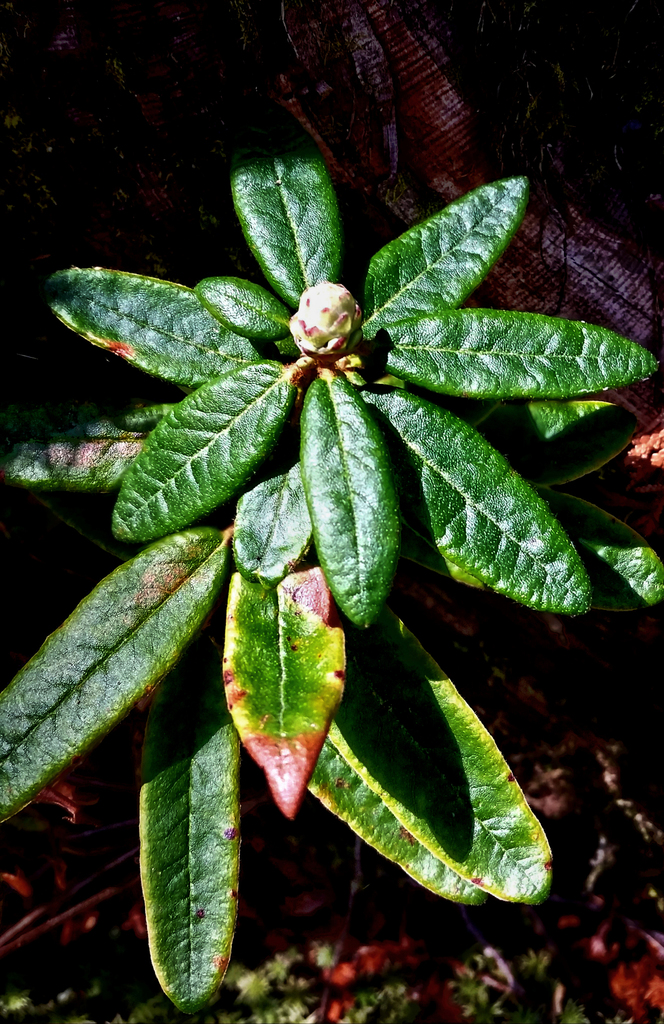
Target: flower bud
{"x": 328, "y": 320}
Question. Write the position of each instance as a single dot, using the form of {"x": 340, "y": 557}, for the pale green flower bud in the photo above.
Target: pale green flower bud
{"x": 328, "y": 321}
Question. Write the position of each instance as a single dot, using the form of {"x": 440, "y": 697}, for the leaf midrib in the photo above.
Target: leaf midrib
{"x": 162, "y": 330}
{"x": 147, "y": 502}
{"x": 283, "y": 487}
{"x": 431, "y": 266}
{"x": 433, "y": 349}
{"x": 107, "y": 656}
{"x": 359, "y": 561}
{"x": 477, "y": 508}
{"x": 261, "y": 312}
{"x": 279, "y": 169}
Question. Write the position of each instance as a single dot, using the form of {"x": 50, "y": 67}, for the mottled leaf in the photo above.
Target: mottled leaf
{"x": 406, "y": 731}
{"x": 481, "y": 514}
{"x": 116, "y": 645}
{"x": 437, "y": 264}
{"x": 553, "y": 442}
{"x": 342, "y": 791}
{"x": 203, "y": 451}
{"x": 91, "y": 457}
{"x": 158, "y": 326}
{"x": 352, "y": 501}
{"x": 190, "y": 829}
{"x": 488, "y": 353}
{"x": 283, "y": 672}
{"x": 244, "y": 307}
{"x": 287, "y": 208}
{"x": 624, "y": 570}
{"x": 273, "y": 526}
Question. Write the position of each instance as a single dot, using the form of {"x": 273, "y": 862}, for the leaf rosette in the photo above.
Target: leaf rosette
{"x": 345, "y": 443}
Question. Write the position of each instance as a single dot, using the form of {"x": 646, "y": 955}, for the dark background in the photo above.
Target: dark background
{"x": 116, "y": 123}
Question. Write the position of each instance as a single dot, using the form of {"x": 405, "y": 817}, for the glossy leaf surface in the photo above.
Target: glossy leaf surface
{"x": 190, "y": 829}
{"x": 90, "y": 457}
{"x": 624, "y": 570}
{"x": 160, "y": 327}
{"x": 273, "y": 526}
{"x": 344, "y": 793}
{"x": 553, "y": 442}
{"x": 437, "y": 264}
{"x": 406, "y": 731}
{"x": 244, "y": 307}
{"x": 284, "y": 667}
{"x": 419, "y": 547}
{"x": 203, "y": 451}
{"x": 352, "y": 501}
{"x": 288, "y": 210}
{"x": 488, "y": 353}
{"x": 481, "y": 514}
{"x": 117, "y": 644}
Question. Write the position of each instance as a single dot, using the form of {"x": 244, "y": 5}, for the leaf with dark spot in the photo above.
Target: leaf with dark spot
{"x": 162, "y": 328}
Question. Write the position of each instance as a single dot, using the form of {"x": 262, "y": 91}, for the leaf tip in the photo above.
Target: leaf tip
{"x": 288, "y": 764}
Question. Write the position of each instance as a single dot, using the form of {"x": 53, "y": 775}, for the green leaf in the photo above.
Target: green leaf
{"x": 481, "y": 514}
{"x": 90, "y": 515}
{"x": 203, "y": 451}
{"x": 437, "y": 264}
{"x": 488, "y": 353}
{"x": 91, "y": 457}
{"x": 116, "y": 645}
{"x": 284, "y": 670}
{"x": 624, "y": 570}
{"x": 288, "y": 210}
{"x": 352, "y": 501}
{"x": 342, "y": 791}
{"x": 160, "y": 327}
{"x": 553, "y": 442}
{"x": 190, "y": 829}
{"x": 273, "y": 526}
{"x": 414, "y": 741}
{"x": 244, "y": 307}
{"x": 420, "y": 547}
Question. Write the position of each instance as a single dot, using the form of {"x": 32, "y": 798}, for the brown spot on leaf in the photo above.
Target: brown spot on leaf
{"x": 160, "y": 581}
{"x": 234, "y": 696}
{"x": 231, "y": 833}
{"x": 234, "y": 693}
{"x": 288, "y": 765}
{"x": 293, "y": 647}
{"x": 511, "y": 778}
{"x": 341, "y": 784}
{"x": 408, "y": 836}
{"x": 309, "y": 589}
{"x": 339, "y": 674}
{"x": 548, "y": 865}
{"x": 477, "y": 881}
{"x": 200, "y": 913}
{"x": 120, "y": 348}
{"x": 232, "y": 893}
{"x": 220, "y": 962}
